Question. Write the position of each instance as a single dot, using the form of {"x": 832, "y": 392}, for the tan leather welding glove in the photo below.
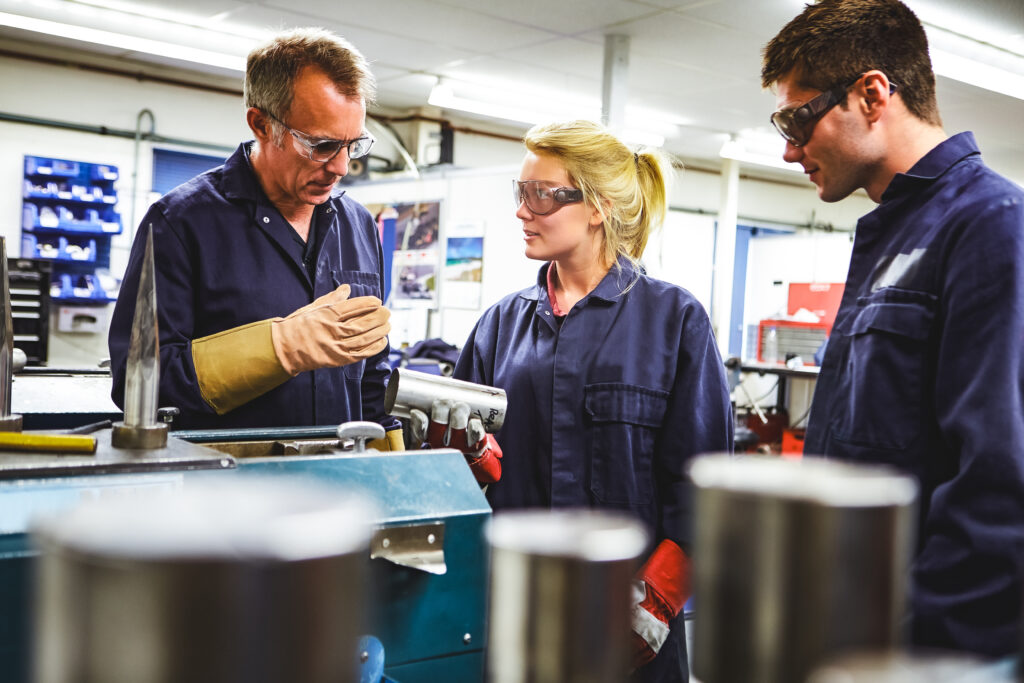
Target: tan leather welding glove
{"x": 235, "y": 366}
{"x": 394, "y": 440}
{"x": 339, "y": 332}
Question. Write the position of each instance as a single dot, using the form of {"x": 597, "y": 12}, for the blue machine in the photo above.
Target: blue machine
{"x": 429, "y": 561}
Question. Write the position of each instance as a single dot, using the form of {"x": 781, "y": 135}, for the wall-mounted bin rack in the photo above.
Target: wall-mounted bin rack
{"x": 69, "y": 214}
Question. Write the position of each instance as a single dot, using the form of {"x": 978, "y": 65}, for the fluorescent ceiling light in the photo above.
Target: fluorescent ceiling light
{"x": 995, "y": 30}
{"x": 979, "y": 74}
{"x": 125, "y": 42}
{"x": 985, "y": 57}
{"x": 443, "y": 95}
{"x": 735, "y": 149}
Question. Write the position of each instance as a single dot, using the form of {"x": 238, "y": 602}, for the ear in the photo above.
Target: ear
{"x": 874, "y": 94}
{"x": 595, "y": 218}
{"x": 259, "y": 124}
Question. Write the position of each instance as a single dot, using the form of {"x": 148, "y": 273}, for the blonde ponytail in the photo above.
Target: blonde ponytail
{"x": 628, "y": 188}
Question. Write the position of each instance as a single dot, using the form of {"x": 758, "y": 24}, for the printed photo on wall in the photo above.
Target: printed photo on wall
{"x": 417, "y": 226}
{"x": 464, "y": 268}
{"x": 415, "y": 279}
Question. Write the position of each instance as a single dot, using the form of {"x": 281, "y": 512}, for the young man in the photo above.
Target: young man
{"x": 268, "y": 279}
{"x": 925, "y": 366}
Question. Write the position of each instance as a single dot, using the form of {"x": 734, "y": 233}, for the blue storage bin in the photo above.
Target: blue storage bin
{"x": 104, "y": 172}
{"x": 59, "y": 168}
{"x": 79, "y": 288}
{"x": 28, "y": 246}
{"x": 68, "y": 216}
{"x": 29, "y": 216}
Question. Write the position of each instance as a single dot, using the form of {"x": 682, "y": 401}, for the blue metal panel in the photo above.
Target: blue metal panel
{"x": 15, "y": 609}
{"x": 407, "y": 485}
{"x": 387, "y": 240}
{"x": 739, "y": 289}
{"x": 467, "y": 668}
{"x": 417, "y": 616}
{"x": 422, "y": 619}
{"x": 172, "y": 168}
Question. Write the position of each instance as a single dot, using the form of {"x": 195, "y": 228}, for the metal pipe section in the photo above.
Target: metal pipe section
{"x": 112, "y": 132}
{"x": 133, "y": 217}
{"x": 929, "y": 667}
{"x": 795, "y": 562}
{"x": 560, "y": 595}
{"x": 408, "y": 389}
{"x": 245, "y": 581}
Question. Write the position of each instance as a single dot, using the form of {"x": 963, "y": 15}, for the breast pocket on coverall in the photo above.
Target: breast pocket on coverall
{"x": 362, "y": 284}
{"x": 881, "y": 381}
{"x": 621, "y": 423}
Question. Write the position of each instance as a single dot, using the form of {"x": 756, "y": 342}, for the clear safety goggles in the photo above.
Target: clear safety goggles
{"x": 541, "y": 199}
{"x": 323, "y": 150}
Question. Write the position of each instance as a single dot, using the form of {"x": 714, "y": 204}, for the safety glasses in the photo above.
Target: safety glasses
{"x": 541, "y": 199}
{"x": 323, "y": 150}
{"x": 797, "y": 125}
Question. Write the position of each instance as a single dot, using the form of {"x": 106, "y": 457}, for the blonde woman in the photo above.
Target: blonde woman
{"x": 613, "y": 377}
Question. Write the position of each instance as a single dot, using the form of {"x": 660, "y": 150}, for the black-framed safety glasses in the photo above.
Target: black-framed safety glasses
{"x": 796, "y": 125}
{"x": 323, "y": 150}
{"x": 541, "y": 199}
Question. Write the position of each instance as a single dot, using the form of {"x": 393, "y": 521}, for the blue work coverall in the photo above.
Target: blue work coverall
{"x": 226, "y": 257}
{"x": 925, "y": 371}
{"x": 606, "y": 408}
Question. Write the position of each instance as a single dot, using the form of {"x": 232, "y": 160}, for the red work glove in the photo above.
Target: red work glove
{"x": 660, "y": 589}
{"x": 450, "y": 426}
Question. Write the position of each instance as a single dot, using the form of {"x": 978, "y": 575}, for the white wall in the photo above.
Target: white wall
{"x": 681, "y": 252}
{"x": 94, "y": 99}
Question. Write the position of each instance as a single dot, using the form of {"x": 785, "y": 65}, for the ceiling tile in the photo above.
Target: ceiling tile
{"x": 381, "y": 48}
{"x": 197, "y": 8}
{"x": 577, "y": 57}
{"x": 566, "y": 17}
{"x": 428, "y": 22}
{"x": 677, "y": 39}
{"x": 404, "y": 92}
{"x": 759, "y": 20}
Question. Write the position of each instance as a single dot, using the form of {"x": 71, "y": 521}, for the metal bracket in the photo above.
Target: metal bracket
{"x": 417, "y": 546}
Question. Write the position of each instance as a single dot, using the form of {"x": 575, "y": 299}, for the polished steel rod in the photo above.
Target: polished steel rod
{"x": 142, "y": 381}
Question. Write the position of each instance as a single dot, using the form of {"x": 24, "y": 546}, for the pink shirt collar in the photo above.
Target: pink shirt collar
{"x": 555, "y": 310}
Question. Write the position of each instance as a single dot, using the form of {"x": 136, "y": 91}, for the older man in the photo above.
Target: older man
{"x": 268, "y": 279}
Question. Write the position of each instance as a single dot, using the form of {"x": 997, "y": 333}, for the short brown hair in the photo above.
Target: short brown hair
{"x": 271, "y": 69}
{"x": 830, "y": 43}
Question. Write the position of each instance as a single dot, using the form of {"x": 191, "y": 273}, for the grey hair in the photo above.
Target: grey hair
{"x": 271, "y": 70}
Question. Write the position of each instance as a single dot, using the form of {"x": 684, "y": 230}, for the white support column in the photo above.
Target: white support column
{"x": 615, "y": 85}
{"x": 725, "y": 254}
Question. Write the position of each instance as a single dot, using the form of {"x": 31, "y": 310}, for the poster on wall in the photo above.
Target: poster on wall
{"x": 464, "y": 266}
{"x": 417, "y": 226}
{"x": 414, "y": 268}
{"x": 415, "y": 279}
{"x": 409, "y": 235}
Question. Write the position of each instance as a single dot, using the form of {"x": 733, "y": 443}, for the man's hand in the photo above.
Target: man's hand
{"x": 660, "y": 589}
{"x": 450, "y": 426}
{"x": 330, "y": 332}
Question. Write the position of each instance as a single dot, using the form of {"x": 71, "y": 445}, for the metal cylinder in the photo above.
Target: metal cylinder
{"x": 408, "y": 389}
{"x": 246, "y": 580}
{"x": 796, "y": 562}
{"x": 931, "y": 667}
{"x": 560, "y": 600}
